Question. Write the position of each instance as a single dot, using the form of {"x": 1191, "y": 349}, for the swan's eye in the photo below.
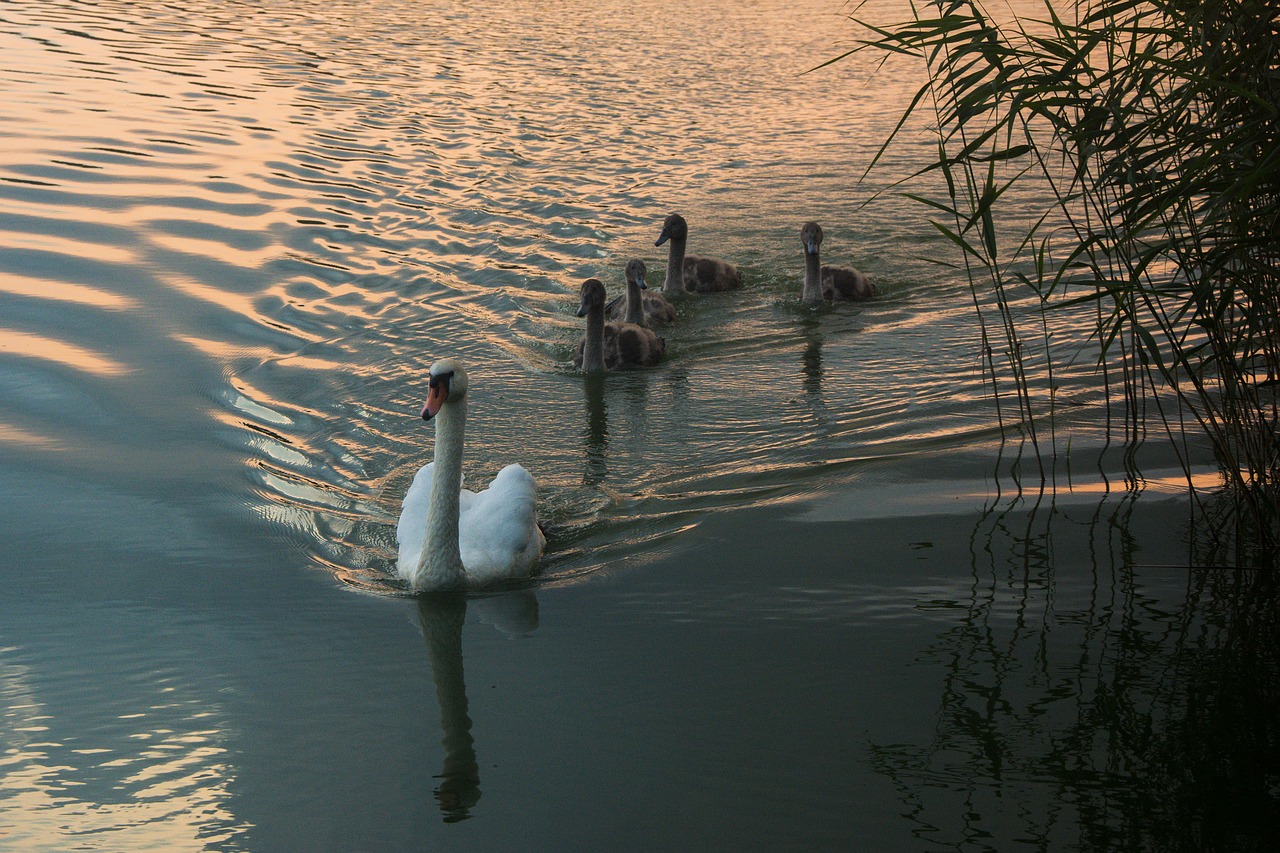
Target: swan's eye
{"x": 440, "y": 378}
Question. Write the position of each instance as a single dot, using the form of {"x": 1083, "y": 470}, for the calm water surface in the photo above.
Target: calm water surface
{"x": 793, "y": 598}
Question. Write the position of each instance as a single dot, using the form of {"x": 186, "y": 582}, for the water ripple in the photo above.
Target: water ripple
{"x": 278, "y": 215}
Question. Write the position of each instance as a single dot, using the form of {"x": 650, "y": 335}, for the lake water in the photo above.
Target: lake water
{"x": 794, "y": 597}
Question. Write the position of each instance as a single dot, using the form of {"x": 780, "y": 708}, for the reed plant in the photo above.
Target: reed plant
{"x": 1148, "y": 131}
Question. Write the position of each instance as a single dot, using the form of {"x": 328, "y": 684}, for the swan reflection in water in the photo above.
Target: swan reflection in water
{"x": 813, "y": 373}
{"x": 441, "y": 615}
{"x": 811, "y": 364}
{"x": 595, "y": 434}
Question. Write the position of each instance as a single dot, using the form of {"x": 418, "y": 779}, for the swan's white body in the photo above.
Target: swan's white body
{"x": 451, "y": 537}
{"x": 498, "y": 535}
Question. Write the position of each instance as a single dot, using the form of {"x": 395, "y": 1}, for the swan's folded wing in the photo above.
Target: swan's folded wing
{"x": 412, "y": 526}
{"x": 499, "y": 534}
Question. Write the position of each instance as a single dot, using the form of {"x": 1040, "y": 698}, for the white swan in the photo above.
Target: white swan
{"x": 691, "y": 272}
{"x": 829, "y": 283}
{"x": 452, "y": 538}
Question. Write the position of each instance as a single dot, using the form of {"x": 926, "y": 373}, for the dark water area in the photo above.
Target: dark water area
{"x": 800, "y": 591}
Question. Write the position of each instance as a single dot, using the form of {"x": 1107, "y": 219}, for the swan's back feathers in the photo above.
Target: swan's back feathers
{"x": 657, "y": 310}
{"x": 498, "y": 531}
{"x": 709, "y": 275}
{"x": 498, "y": 534}
{"x": 626, "y": 345}
{"x": 846, "y": 283}
{"x": 636, "y": 346}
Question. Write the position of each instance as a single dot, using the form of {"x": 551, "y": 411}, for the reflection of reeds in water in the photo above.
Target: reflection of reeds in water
{"x": 1086, "y": 701}
{"x": 442, "y": 615}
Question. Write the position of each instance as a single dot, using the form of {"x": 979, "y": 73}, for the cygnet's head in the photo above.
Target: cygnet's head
{"x": 447, "y": 384}
{"x": 592, "y": 296}
{"x": 675, "y": 229}
{"x": 811, "y": 236}
{"x": 636, "y": 272}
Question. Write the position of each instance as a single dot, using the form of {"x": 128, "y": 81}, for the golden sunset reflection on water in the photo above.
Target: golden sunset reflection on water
{"x": 27, "y": 345}
{"x": 170, "y": 787}
{"x": 61, "y": 291}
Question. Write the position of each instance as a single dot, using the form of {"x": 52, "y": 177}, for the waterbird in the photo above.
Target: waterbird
{"x": 642, "y": 309}
{"x": 691, "y": 272}
{"x": 612, "y": 346}
{"x": 453, "y": 538}
{"x": 829, "y": 283}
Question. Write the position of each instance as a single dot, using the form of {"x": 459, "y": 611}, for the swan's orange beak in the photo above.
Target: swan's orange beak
{"x": 437, "y": 393}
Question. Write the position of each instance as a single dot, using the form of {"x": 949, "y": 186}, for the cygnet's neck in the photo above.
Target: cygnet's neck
{"x": 635, "y": 303}
{"x": 812, "y": 293}
{"x": 440, "y": 563}
{"x": 593, "y": 347}
{"x": 675, "y": 267}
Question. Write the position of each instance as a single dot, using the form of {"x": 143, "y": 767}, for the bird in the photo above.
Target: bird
{"x": 690, "y": 272}
{"x": 612, "y": 346}
{"x": 451, "y": 538}
{"x": 829, "y": 283}
{"x": 642, "y": 309}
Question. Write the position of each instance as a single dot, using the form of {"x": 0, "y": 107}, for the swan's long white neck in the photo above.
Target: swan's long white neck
{"x": 635, "y": 304}
{"x": 675, "y": 267}
{"x": 440, "y": 563}
{"x": 593, "y": 348}
{"x": 812, "y": 293}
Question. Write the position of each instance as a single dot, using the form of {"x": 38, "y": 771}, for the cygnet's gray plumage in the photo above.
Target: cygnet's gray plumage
{"x": 691, "y": 272}
{"x": 639, "y": 307}
{"x": 612, "y": 346}
{"x": 829, "y": 283}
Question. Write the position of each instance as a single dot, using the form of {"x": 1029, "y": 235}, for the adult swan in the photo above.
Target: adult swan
{"x": 452, "y": 538}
